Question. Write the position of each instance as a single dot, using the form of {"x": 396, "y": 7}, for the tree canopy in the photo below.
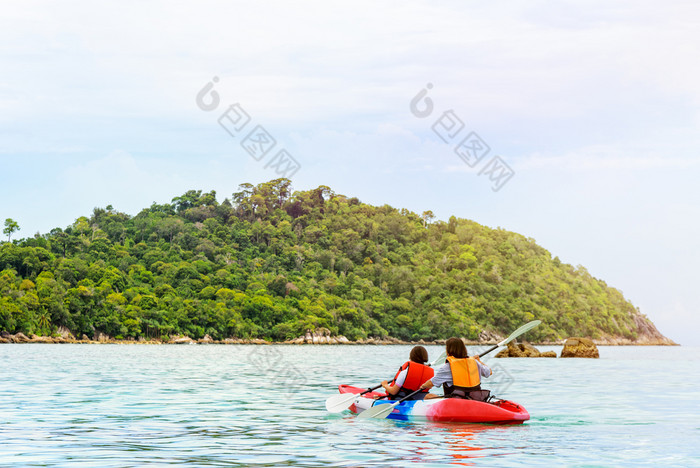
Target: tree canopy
{"x": 271, "y": 263}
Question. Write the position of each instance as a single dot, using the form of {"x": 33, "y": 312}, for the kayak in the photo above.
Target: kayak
{"x": 442, "y": 409}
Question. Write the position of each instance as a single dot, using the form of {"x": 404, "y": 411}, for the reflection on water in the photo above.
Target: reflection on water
{"x": 113, "y": 405}
{"x": 461, "y": 441}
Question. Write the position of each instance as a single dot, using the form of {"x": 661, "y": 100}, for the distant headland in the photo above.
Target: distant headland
{"x": 271, "y": 265}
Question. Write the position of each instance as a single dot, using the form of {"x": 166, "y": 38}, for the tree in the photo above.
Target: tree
{"x": 272, "y": 265}
{"x": 11, "y": 227}
{"x": 427, "y": 217}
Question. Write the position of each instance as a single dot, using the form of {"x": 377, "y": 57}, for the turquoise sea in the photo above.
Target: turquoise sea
{"x": 247, "y": 405}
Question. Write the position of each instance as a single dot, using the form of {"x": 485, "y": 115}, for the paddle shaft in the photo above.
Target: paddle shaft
{"x": 370, "y": 389}
{"x": 406, "y": 397}
{"x": 525, "y": 328}
{"x": 488, "y": 351}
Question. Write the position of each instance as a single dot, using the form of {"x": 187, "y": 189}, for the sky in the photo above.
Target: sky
{"x": 586, "y": 113}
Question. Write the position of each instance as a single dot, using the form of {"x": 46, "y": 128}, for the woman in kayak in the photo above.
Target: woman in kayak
{"x": 460, "y": 375}
{"x": 410, "y": 376}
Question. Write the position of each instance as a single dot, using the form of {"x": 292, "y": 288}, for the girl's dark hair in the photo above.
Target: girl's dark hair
{"x": 455, "y": 347}
{"x": 419, "y": 354}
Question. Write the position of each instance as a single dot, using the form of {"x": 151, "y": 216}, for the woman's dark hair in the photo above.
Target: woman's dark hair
{"x": 455, "y": 347}
{"x": 419, "y": 354}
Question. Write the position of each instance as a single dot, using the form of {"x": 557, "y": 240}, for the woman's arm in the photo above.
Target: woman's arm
{"x": 442, "y": 374}
{"x": 484, "y": 370}
{"x": 393, "y": 389}
{"x": 428, "y": 385}
{"x": 390, "y": 389}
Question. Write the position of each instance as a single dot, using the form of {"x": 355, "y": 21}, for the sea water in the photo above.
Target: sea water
{"x": 257, "y": 405}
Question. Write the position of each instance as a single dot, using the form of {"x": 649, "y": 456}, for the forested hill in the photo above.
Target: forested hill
{"x": 269, "y": 263}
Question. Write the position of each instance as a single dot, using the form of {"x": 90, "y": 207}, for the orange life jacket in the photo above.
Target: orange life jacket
{"x": 465, "y": 372}
{"x": 416, "y": 376}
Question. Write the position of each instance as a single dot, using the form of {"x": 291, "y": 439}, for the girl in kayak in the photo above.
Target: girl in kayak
{"x": 460, "y": 375}
{"x": 410, "y": 376}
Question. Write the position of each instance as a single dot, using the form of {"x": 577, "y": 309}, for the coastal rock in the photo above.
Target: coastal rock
{"x": 42, "y": 339}
{"x": 103, "y": 338}
{"x": 20, "y": 338}
{"x": 529, "y": 350}
{"x": 512, "y": 350}
{"x": 487, "y": 337}
{"x": 523, "y": 349}
{"x": 342, "y": 340}
{"x": 65, "y": 333}
{"x": 4, "y": 340}
{"x": 182, "y": 340}
{"x": 579, "y": 347}
{"x": 206, "y": 340}
{"x": 317, "y": 336}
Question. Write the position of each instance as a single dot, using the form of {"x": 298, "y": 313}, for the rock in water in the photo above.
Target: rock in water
{"x": 579, "y": 347}
{"x": 513, "y": 350}
{"x": 529, "y": 350}
{"x": 523, "y": 349}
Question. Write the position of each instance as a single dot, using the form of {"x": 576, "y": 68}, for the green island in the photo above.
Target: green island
{"x": 273, "y": 264}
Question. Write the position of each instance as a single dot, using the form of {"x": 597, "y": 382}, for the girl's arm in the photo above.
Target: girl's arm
{"x": 484, "y": 370}
{"x": 390, "y": 389}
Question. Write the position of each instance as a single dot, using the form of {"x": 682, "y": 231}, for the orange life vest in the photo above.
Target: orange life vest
{"x": 465, "y": 372}
{"x": 416, "y": 376}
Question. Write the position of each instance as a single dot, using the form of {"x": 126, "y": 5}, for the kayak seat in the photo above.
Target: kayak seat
{"x": 478, "y": 395}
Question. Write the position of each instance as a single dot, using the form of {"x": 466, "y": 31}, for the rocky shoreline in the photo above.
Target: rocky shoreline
{"x": 318, "y": 337}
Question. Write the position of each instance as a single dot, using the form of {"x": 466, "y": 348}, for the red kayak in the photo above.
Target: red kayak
{"x": 443, "y": 409}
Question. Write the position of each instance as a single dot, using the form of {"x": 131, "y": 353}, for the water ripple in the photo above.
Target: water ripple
{"x": 113, "y": 405}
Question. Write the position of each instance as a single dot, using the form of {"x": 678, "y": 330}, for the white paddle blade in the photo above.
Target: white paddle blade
{"x": 440, "y": 360}
{"x": 377, "y": 412}
{"x": 339, "y": 403}
{"x": 525, "y": 328}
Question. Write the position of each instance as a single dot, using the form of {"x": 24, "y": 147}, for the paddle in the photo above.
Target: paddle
{"x": 382, "y": 411}
{"x": 339, "y": 403}
{"x": 440, "y": 360}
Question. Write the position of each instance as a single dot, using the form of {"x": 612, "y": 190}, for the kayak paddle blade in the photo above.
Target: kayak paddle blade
{"x": 339, "y": 403}
{"x": 377, "y": 412}
{"x": 441, "y": 359}
{"x": 525, "y": 328}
